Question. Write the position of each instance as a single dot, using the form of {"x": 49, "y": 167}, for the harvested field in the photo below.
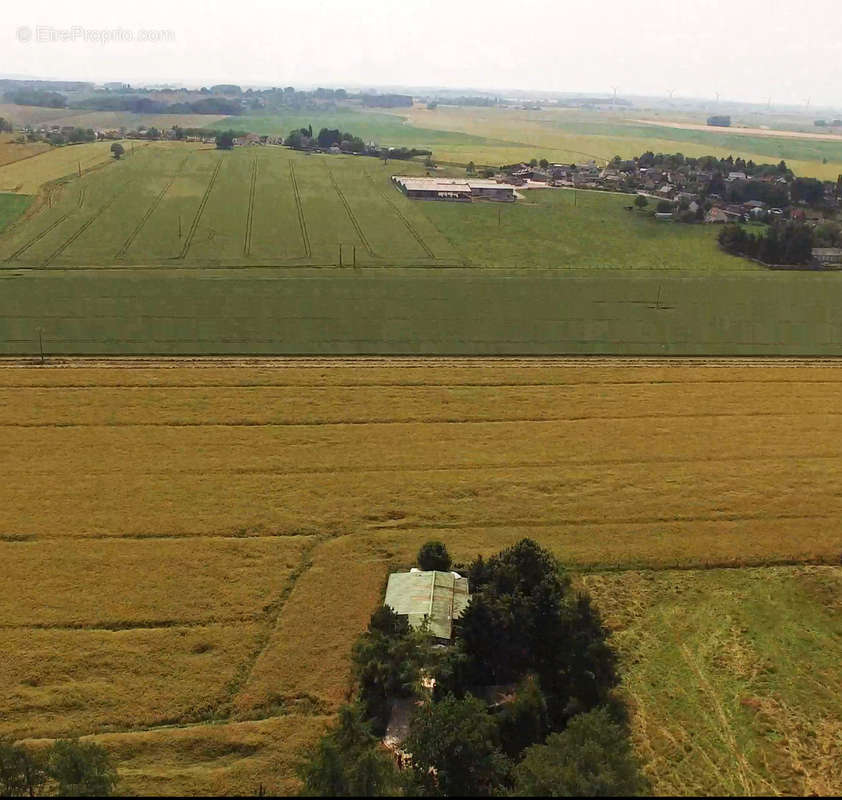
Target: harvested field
{"x": 28, "y": 175}
{"x": 198, "y": 547}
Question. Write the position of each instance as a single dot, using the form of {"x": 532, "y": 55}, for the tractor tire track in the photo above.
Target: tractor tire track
{"x": 73, "y": 237}
{"x": 350, "y": 213}
{"x": 413, "y": 231}
{"x": 37, "y": 238}
{"x": 302, "y": 222}
{"x": 250, "y": 214}
{"x": 199, "y": 211}
{"x": 149, "y": 212}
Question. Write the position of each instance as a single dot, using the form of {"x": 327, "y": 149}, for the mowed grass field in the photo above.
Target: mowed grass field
{"x": 190, "y": 552}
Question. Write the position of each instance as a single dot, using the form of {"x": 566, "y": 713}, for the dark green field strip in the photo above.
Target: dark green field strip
{"x": 451, "y": 312}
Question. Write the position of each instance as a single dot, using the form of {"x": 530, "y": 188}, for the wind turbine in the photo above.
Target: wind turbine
{"x": 614, "y": 101}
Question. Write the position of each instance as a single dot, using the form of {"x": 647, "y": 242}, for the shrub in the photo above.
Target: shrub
{"x": 434, "y": 555}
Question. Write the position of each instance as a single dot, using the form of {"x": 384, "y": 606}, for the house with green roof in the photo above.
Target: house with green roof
{"x": 435, "y": 598}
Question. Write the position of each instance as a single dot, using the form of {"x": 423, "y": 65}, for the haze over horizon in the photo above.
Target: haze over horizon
{"x": 790, "y": 56}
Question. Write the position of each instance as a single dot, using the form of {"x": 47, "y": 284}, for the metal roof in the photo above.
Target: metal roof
{"x": 437, "y": 597}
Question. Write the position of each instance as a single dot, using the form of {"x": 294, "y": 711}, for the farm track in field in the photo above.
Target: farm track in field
{"x": 20, "y": 251}
{"x": 74, "y": 236}
{"x": 250, "y": 213}
{"x": 302, "y": 222}
{"x": 413, "y": 231}
{"x": 82, "y": 196}
{"x": 350, "y": 214}
{"x": 150, "y": 211}
{"x": 199, "y": 211}
{"x": 410, "y": 362}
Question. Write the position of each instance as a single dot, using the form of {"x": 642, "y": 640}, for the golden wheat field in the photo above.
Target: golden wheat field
{"x": 189, "y": 551}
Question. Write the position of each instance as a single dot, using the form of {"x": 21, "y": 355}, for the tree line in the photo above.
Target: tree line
{"x": 789, "y": 243}
{"x": 70, "y": 768}
{"x": 525, "y": 633}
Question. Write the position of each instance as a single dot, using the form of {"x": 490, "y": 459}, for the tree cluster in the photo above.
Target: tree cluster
{"x": 789, "y": 243}
{"x": 525, "y": 633}
{"x": 146, "y": 105}
{"x": 63, "y": 136}
{"x": 36, "y": 97}
{"x": 70, "y": 768}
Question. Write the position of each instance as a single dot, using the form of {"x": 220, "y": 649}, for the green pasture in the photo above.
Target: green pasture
{"x": 269, "y": 206}
{"x": 412, "y": 311}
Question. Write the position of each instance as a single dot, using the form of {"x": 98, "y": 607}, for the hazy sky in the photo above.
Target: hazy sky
{"x": 750, "y": 51}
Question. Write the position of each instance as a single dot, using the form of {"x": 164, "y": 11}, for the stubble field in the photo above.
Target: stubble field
{"x": 192, "y": 551}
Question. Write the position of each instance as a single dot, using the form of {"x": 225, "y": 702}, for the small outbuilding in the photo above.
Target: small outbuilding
{"x": 433, "y": 598}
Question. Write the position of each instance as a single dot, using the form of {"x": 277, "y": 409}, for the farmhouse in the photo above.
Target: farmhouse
{"x": 433, "y": 597}
{"x": 453, "y": 189}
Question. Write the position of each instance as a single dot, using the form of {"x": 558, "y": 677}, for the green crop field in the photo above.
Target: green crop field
{"x": 180, "y": 249}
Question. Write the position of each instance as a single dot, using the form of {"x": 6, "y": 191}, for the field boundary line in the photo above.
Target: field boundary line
{"x": 250, "y": 213}
{"x": 200, "y": 210}
{"x": 150, "y": 211}
{"x": 350, "y": 213}
{"x": 302, "y": 221}
{"x": 409, "y": 225}
{"x": 20, "y": 251}
{"x": 272, "y": 616}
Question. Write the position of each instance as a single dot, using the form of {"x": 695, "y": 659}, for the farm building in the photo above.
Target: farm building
{"x": 435, "y": 597}
{"x": 453, "y": 189}
{"x": 491, "y": 190}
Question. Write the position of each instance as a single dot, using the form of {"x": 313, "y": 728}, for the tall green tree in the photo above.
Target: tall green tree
{"x": 81, "y": 769}
{"x": 455, "y": 749}
{"x": 22, "y": 771}
{"x": 386, "y": 661}
{"x": 349, "y": 762}
{"x": 592, "y": 757}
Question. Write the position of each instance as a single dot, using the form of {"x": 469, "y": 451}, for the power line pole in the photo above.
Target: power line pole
{"x": 340, "y": 255}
